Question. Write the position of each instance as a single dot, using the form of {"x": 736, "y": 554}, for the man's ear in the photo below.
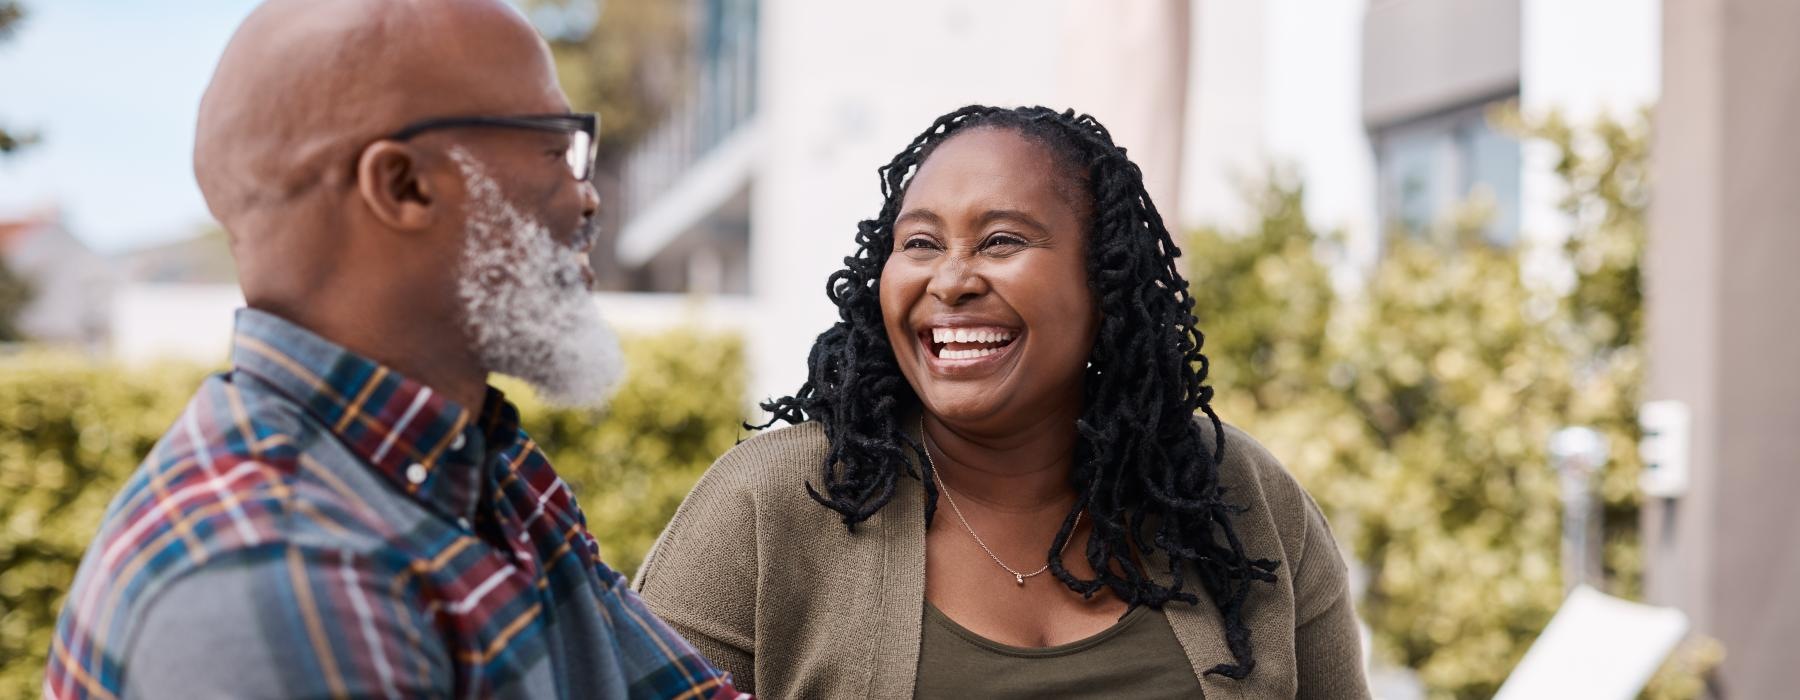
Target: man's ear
{"x": 391, "y": 178}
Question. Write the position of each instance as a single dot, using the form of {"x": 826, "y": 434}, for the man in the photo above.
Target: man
{"x": 351, "y": 511}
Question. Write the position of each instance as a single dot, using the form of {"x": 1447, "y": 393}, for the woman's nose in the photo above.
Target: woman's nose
{"x": 955, "y": 280}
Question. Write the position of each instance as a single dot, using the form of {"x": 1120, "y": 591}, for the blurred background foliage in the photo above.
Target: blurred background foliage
{"x": 627, "y": 68}
{"x": 11, "y": 15}
{"x": 15, "y": 290}
{"x": 681, "y": 406}
{"x": 70, "y": 433}
{"x": 72, "y": 430}
{"x": 1417, "y": 407}
{"x": 15, "y": 294}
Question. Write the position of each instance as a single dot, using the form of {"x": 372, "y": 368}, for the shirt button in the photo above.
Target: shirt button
{"x": 464, "y": 523}
{"x": 458, "y": 443}
{"x": 416, "y": 473}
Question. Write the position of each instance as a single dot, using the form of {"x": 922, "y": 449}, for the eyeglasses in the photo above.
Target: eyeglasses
{"x": 581, "y": 128}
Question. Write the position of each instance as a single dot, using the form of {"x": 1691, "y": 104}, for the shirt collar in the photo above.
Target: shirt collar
{"x": 429, "y": 446}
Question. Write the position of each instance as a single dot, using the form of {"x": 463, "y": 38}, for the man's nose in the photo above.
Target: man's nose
{"x": 590, "y": 200}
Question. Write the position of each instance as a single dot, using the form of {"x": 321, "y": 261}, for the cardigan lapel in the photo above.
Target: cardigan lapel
{"x": 900, "y": 610}
{"x": 1200, "y": 630}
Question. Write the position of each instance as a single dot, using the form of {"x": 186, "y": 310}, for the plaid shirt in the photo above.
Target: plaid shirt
{"x": 316, "y": 525}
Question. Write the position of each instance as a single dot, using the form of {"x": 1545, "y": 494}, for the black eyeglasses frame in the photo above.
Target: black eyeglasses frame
{"x": 581, "y": 156}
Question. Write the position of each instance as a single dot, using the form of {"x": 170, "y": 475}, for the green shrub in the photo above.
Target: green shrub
{"x": 681, "y": 407}
{"x": 70, "y": 434}
{"x": 71, "y": 431}
{"x": 1419, "y": 409}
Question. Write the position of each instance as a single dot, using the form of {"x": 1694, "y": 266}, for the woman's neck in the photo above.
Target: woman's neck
{"x": 1024, "y": 469}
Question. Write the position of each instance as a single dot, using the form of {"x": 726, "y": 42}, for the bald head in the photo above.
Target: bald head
{"x": 369, "y": 240}
{"x": 305, "y": 84}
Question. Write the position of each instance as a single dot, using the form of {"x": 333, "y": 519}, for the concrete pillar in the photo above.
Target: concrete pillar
{"x": 1723, "y": 316}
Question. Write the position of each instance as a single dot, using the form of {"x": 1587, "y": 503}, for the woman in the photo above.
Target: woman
{"x": 1017, "y": 343}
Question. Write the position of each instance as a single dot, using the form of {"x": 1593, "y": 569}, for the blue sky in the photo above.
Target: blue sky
{"x": 111, "y": 86}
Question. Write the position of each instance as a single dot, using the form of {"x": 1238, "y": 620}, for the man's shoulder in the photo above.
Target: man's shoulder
{"x": 237, "y": 470}
{"x": 228, "y": 459}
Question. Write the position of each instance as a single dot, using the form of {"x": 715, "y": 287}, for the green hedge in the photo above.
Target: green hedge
{"x": 71, "y": 431}
{"x": 1418, "y": 408}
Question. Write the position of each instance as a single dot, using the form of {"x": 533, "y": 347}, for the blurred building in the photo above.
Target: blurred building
{"x": 70, "y": 285}
{"x": 202, "y": 259}
{"x": 1723, "y": 322}
{"x": 753, "y": 188}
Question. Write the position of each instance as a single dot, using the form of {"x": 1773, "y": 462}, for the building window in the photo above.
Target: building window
{"x": 1430, "y": 166}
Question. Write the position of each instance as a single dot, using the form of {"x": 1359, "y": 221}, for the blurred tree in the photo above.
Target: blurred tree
{"x": 1264, "y": 298}
{"x": 1456, "y": 388}
{"x": 1418, "y": 412}
{"x": 10, "y": 14}
{"x": 625, "y": 59}
{"x": 1605, "y": 168}
{"x": 15, "y": 293}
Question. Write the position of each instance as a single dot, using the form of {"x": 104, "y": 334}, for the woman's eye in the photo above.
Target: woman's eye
{"x": 1003, "y": 240}
{"x": 920, "y": 243}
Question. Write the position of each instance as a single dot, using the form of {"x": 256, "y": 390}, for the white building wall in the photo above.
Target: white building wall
{"x": 178, "y": 322}
{"x": 845, "y": 86}
{"x": 1314, "y": 113}
{"x": 1127, "y": 65}
{"x": 69, "y": 287}
{"x": 1584, "y": 59}
{"x": 1224, "y": 151}
{"x": 1276, "y": 85}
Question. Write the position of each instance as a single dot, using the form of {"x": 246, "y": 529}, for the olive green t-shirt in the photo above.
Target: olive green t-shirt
{"x": 1138, "y": 657}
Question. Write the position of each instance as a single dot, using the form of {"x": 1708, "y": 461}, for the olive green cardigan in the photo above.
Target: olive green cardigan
{"x": 770, "y": 585}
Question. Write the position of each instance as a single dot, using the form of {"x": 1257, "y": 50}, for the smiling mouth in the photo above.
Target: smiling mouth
{"x": 963, "y": 344}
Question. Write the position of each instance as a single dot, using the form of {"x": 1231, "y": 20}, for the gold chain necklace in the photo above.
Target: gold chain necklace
{"x": 1018, "y": 577}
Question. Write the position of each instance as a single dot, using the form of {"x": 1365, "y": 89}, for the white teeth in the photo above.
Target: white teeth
{"x": 967, "y": 354}
{"x": 964, "y": 335}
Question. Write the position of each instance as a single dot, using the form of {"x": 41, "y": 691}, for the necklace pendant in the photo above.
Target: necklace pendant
{"x": 1020, "y": 578}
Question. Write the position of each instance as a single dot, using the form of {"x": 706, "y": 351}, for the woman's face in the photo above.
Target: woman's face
{"x": 985, "y": 296}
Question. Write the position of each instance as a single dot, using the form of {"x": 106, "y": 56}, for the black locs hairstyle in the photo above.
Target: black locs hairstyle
{"x": 1141, "y": 460}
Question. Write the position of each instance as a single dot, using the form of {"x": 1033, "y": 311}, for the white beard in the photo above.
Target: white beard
{"x": 527, "y": 311}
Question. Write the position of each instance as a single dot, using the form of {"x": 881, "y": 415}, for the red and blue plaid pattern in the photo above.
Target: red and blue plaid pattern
{"x": 368, "y": 537}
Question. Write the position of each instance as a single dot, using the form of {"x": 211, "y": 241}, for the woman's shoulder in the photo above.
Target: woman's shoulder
{"x": 771, "y": 464}
{"x": 1250, "y": 465}
{"x": 756, "y": 480}
{"x": 1277, "y": 507}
